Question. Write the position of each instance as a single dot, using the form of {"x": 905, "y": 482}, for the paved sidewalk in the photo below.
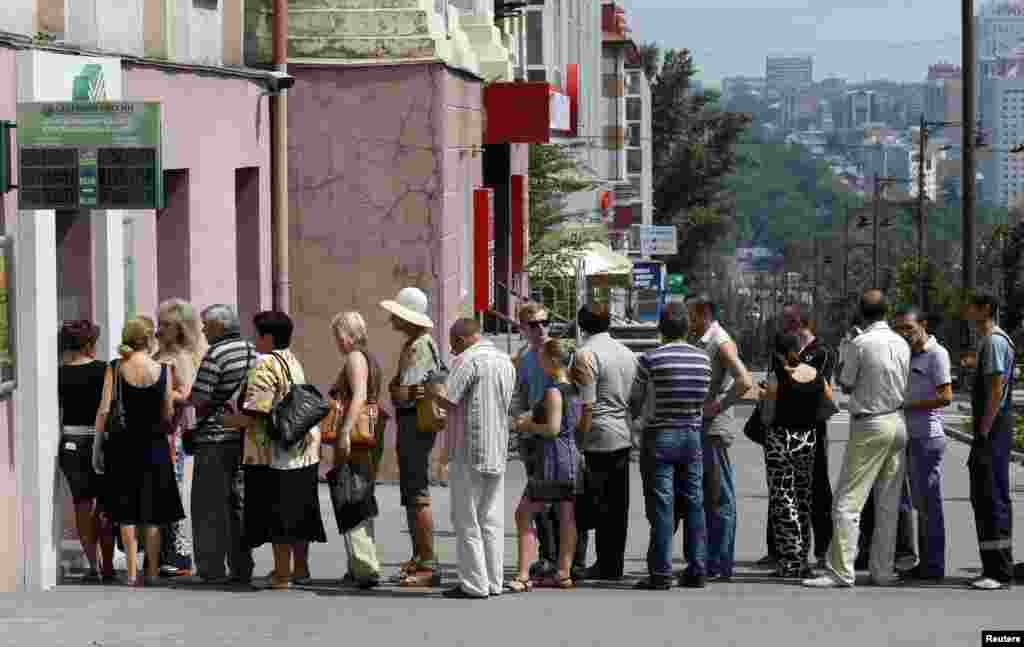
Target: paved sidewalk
{"x": 754, "y": 609}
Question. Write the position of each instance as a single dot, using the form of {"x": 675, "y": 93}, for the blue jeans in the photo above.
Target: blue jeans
{"x": 925, "y": 470}
{"x": 719, "y": 506}
{"x": 671, "y": 452}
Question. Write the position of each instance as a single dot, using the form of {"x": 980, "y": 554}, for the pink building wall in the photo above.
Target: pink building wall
{"x": 9, "y": 522}
{"x": 383, "y": 161}
{"x": 211, "y": 127}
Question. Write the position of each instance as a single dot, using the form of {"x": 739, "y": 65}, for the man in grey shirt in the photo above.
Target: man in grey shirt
{"x": 730, "y": 380}
{"x": 604, "y": 370}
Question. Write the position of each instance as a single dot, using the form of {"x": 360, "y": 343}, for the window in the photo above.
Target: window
{"x": 638, "y": 182}
{"x": 205, "y": 4}
{"x": 634, "y": 109}
{"x": 633, "y": 135}
{"x": 633, "y": 83}
{"x": 634, "y": 160}
{"x": 535, "y": 37}
{"x": 536, "y": 76}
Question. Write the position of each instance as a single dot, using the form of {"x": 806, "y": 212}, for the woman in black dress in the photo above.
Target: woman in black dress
{"x": 80, "y": 389}
{"x": 141, "y": 487}
{"x": 790, "y": 410}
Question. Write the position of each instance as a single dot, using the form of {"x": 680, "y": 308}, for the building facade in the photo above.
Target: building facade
{"x": 209, "y": 243}
{"x": 1003, "y": 173}
{"x": 789, "y": 72}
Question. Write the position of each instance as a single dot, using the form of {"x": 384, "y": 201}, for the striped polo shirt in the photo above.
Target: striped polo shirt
{"x": 220, "y": 376}
{"x": 480, "y": 384}
{"x": 681, "y": 376}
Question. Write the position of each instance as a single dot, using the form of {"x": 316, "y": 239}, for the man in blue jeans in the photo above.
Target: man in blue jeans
{"x": 680, "y": 375}
{"x": 730, "y": 380}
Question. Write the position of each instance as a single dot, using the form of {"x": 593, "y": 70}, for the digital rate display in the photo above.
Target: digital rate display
{"x": 89, "y": 156}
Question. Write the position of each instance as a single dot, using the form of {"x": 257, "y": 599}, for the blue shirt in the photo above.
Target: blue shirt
{"x": 929, "y": 370}
{"x": 531, "y": 381}
{"x": 995, "y": 357}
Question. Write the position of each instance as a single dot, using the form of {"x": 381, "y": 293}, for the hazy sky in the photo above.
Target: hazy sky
{"x": 894, "y": 39}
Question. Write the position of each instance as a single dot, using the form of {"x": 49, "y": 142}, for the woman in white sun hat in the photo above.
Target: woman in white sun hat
{"x": 419, "y": 358}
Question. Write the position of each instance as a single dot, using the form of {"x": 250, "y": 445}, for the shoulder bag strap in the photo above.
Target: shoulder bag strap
{"x": 433, "y": 351}
{"x": 372, "y": 379}
{"x": 287, "y": 372}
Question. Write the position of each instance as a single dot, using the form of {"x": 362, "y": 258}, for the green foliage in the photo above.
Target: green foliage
{"x": 694, "y": 150}
{"x": 554, "y": 241}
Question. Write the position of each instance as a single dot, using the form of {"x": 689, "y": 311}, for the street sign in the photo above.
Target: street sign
{"x": 657, "y": 240}
{"x": 89, "y": 155}
{"x": 677, "y": 284}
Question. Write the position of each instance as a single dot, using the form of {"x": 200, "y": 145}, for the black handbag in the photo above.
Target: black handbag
{"x": 352, "y": 494}
{"x": 301, "y": 409}
{"x": 755, "y": 428}
{"x": 115, "y": 424}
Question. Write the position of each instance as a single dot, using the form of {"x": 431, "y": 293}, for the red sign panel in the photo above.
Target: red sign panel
{"x": 483, "y": 249}
{"x": 520, "y": 223}
{"x": 623, "y": 216}
{"x": 517, "y": 113}
{"x": 572, "y": 88}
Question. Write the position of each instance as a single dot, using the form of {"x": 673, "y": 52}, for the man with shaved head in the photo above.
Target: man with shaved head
{"x": 478, "y": 394}
{"x": 876, "y": 374}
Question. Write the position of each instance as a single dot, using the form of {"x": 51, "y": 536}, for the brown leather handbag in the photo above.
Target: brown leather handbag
{"x": 363, "y": 434}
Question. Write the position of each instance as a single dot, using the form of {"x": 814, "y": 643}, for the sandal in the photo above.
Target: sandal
{"x": 519, "y": 585}
{"x": 407, "y": 567}
{"x": 421, "y": 578}
{"x": 566, "y": 583}
{"x": 280, "y": 583}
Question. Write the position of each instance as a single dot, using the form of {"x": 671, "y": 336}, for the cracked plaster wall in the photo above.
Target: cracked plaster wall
{"x": 381, "y": 173}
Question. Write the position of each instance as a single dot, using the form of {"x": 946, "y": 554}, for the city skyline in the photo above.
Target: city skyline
{"x": 867, "y": 40}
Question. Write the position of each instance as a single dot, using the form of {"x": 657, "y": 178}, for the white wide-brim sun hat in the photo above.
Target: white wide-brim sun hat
{"x": 410, "y": 305}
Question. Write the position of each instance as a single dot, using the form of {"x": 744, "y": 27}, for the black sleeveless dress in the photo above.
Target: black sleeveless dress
{"x": 141, "y": 487}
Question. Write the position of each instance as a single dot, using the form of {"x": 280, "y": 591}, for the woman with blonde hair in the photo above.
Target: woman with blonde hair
{"x": 357, "y": 389}
{"x": 182, "y": 345}
{"x": 141, "y": 489}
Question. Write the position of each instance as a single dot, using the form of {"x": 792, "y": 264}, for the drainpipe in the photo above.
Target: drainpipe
{"x": 279, "y": 164}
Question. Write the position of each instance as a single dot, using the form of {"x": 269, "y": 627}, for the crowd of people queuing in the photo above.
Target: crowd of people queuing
{"x": 190, "y": 385}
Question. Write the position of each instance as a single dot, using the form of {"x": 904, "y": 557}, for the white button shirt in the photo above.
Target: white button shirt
{"x": 877, "y": 370}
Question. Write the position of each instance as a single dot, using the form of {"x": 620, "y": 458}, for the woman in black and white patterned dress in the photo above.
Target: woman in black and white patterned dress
{"x": 791, "y": 404}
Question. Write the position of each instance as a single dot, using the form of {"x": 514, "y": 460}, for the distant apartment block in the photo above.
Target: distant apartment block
{"x": 789, "y": 72}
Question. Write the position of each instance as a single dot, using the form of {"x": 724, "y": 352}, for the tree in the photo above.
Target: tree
{"x": 694, "y": 150}
{"x": 554, "y": 240}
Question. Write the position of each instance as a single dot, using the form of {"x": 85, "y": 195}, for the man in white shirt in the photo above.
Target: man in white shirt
{"x": 876, "y": 375}
{"x": 478, "y": 394}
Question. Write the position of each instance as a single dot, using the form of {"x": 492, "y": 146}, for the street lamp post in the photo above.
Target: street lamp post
{"x": 967, "y": 209}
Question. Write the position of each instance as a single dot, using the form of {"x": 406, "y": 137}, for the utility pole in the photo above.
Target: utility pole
{"x": 967, "y": 210}
{"x": 817, "y": 277}
{"x": 874, "y": 229}
{"x": 922, "y": 274}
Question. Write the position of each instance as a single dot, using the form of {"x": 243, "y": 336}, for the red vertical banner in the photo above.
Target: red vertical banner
{"x": 572, "y": 88}
{"x": 483, "y": 249}
{"x": 518, "y": 223}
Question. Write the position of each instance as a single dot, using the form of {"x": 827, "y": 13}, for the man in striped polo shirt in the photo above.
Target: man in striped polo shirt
{"x": 217, "y": 491}
{"x": 680, "y": 375}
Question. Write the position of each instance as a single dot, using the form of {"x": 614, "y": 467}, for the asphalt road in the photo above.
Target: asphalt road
{"x": 754, "y": 609}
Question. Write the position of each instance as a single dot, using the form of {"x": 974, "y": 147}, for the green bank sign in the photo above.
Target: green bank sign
{"x": 89, "y": 155}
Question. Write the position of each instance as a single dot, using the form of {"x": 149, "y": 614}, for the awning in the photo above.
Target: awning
{"x": 600, "y": 261}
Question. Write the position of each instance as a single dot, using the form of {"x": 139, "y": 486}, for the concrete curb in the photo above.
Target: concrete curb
{"x": 966, "y": 438}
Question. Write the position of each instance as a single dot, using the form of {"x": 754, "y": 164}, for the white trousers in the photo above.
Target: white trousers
{"x": 478, "y": 517}
{"x": 875, "y": 458}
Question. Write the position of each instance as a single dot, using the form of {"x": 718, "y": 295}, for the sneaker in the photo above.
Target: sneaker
{"x": 654, "y": 583}
{"x": 457, "y": 593}
{"x": 693, "y": 581}
{"x": 989, "y": 584}
{"x": 825, "y": 582}
{"x": 906, "y": 562}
